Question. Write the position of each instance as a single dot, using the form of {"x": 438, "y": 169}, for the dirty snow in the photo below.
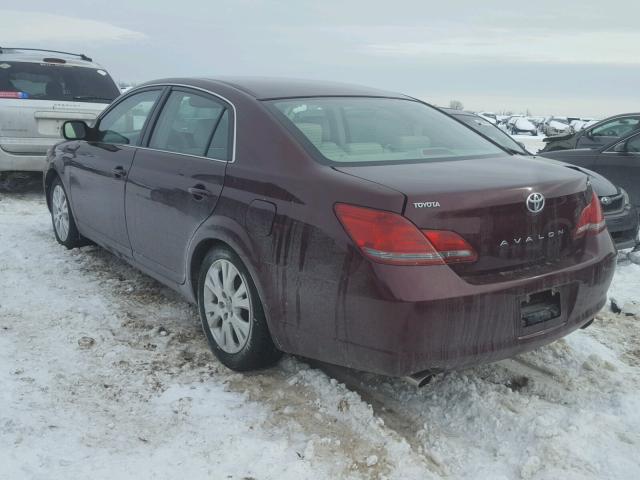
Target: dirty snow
{"x": 105, "y": 374}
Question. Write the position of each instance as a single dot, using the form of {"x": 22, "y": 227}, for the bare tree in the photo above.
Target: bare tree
{"x": 456, "y": 105}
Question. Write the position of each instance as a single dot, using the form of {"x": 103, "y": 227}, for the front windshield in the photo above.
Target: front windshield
{"x": 52, "y": 81}
{"x": 371, "y": 130}
{"x": 487, "y": 129}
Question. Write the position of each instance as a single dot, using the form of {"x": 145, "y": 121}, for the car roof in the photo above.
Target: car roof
{"x": 264, "y": 88}
{"x": 39, "y": 56}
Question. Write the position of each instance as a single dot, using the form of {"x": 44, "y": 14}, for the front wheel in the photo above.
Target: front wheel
{"x": 64, "y": 225}
{"x": 231, "y": 313}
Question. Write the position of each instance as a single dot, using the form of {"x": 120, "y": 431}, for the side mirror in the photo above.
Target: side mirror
{"x": 75, "y": 130}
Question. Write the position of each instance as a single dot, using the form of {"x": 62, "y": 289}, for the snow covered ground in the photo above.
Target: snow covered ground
{"x": 105, "y": 374}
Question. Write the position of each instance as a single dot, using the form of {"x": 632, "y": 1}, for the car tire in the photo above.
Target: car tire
{"x": 64, "y": 225}
{"x": 232, "y": 314}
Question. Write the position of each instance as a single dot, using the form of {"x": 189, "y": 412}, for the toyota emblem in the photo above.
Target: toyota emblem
{"x": 535, "y": 202}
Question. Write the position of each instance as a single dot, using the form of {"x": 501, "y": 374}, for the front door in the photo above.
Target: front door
{"x": 621, "y": 165}
{"x": 175, "y": 182}
{"x": 98, "y": 170}
{"x": 608, "y": 132}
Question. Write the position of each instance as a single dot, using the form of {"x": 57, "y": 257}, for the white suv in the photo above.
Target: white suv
{"x": 39, "y": 91}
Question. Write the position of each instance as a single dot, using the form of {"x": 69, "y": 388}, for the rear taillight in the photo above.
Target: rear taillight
{"x": 451, "y": 246}
{"x": 591, "y": 219}
{"x": 387, "y": 237}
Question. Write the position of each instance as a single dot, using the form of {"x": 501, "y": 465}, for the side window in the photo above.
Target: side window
{"x": 633, "y": 145}
{"x": 616, "y": 128}
{"x": 124, "y": 123}
{"x": 220, "y": 144}
{"x": 187, "y": 123}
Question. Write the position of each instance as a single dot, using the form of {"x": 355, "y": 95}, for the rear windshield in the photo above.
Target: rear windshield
{"x": 48, "y": 81}
{"x": 370, "y": 130}
{"x": 488, "y": 129}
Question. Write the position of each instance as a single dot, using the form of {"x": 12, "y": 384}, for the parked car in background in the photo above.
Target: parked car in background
{"x": 507, "y": 122}
{"x": 595, "y": 135}
{"x": 537, "y": 121}
{"x": 555, "y": 126}
{"x": 618, "y": 161}
{"x": 577, "y": 125}
{"x": 347, "y": 224}
{"x": 489, "y": 116}
{"x": 39, "y": 91}
{"x": 620, "y": 214}
{"x": 522, "y": 125}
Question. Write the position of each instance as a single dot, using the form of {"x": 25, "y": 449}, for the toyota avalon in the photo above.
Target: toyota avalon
{"x": 346, "y": 224}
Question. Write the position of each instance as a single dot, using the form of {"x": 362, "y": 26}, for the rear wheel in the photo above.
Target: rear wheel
{"x": 231, "y": 313}
{"x": 64, "y": 225}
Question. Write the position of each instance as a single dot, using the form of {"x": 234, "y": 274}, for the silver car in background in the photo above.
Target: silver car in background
{"x": 39, "y": 91}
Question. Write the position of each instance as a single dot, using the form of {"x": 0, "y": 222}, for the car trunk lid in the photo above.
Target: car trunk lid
{"x": 485, "y": 201}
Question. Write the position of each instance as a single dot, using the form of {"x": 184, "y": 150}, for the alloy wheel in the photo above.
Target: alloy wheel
{"x": 60, "y": 212}
{"x": 227, "y": 306}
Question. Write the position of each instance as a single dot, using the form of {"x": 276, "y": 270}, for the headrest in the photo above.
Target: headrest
{"x": 410, "y": 142}
{"x": 313, "y": 131}
{"x": 361, "y": 148}
{"x": 197, "y": 101}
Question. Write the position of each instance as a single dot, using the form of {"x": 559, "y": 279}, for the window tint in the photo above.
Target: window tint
{"x": 488, "y": 129}
{"x": 50, "y": 81}
{"x": 356, "y": 129}
{"x": 124, "y": 123}
{"x": 633, "y": 145}
{"x": 616, "y": 128}
{"x": 186, "y": 124}
{"x": 219, "y": 148}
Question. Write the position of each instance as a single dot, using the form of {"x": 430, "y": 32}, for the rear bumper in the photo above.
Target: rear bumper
{"x": 11, "y": 162}
{"x": 429, "y": 318}
{"x": 623, "y": 227}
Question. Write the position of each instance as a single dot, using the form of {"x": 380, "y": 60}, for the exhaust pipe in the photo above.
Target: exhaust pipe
{"x": 419, "y": 379}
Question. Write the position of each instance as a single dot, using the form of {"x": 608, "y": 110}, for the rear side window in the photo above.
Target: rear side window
{"x": 220, "y": 144}
{"x": 52, "y": 81}
{"x": 123, "y": 123}
{"x": 187, "y": 124}
{"x": 370, "y": 130}
{"x": 633, "y": 145}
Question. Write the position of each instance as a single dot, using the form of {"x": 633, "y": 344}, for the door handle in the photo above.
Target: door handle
{"x": 119, "y": 172}
{"x": 198, "y": 192}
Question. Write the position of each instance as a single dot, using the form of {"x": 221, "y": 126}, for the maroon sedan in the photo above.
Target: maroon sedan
{"x": 346, "y": 224}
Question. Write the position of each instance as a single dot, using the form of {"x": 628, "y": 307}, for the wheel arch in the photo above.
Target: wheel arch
{"x": 222, "y": 231}
{"x": 228, "y": 234}
{"x": 49, "y": 176}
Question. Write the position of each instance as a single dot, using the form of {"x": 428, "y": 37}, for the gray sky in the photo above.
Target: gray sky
{"x": 569, "y": 57}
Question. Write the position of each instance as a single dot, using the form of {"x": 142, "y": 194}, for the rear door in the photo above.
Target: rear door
{"x": 99, "y": 168}
{"x": 608, "y": 132}
{"x": 175, "y": 182}
{"x": 620, "y": 164}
